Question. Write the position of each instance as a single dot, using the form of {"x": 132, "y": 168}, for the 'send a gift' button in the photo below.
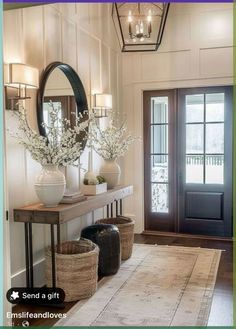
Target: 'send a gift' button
{"x": 19, "y": 295}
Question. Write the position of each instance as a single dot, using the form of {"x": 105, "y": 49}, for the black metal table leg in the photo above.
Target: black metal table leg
{"x": 31, "y": 262}
{"x": 53, "y": 257}
{"x": 117, "y": 211}
{"x": 27, "y": 255}
{"x": 58, "y": 237}
{"x": 111, "y": 209}
{"x": 121, "y": 207}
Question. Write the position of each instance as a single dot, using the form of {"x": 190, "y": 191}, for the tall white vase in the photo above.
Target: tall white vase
{"x": 50, "y": 185}
{"x": 110, "y": 170}
{"x": 72, "y": 180}
{"x": 90, "y": 175}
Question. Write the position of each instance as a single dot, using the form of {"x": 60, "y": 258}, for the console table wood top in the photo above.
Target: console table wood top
{"x": 37, "y": 213}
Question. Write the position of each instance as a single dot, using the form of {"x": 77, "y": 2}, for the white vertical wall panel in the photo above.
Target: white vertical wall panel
{"x": 119, "y": 84}
{"x": 164, "y": 66}
{"x": 82, "y": 11}
{"x": 127, "y": 68}
{"x": 33, "y": 37}
{"x": 16, "y": 167}
{"x": 215, "y": 28}
{"x": 106, "y": 16}
{"x": 13, "y": 37}
{"x": 95, "y": 61}
{"x": 16, "y": 182}
{"x": 216, "y": 62}
{"x": 68, "y": 9}
{"x": 113, "y": 80}
{"x": 95, "y": 19}
{"x": 69, "y": 49}
{"x": 83, "y": 53}
{"x": 105, "y": 68}
{"x": 53, "y": 40}
{"x": 113, "y": 40}
{"x": 177, "y": 33}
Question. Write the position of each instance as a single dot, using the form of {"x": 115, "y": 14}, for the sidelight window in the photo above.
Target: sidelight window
{"x": 159, "y": 154}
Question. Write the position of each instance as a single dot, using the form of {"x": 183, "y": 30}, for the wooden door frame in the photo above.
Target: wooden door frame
{"x": 166, "y": 222}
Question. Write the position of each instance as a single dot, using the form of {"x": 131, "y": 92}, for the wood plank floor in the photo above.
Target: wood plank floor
{"x": 222, "y": 305}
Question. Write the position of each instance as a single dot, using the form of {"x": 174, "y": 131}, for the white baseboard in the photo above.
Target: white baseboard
{"x": 19, "y": 279}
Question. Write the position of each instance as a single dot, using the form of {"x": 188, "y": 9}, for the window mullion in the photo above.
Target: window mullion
{"x": 204, "y": 141}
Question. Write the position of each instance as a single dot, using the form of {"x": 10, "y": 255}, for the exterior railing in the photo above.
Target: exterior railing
{"x": 212, "y": 160}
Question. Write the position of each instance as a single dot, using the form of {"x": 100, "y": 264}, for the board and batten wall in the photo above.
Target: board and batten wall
{"x": 83, "y": 36}
{"x": 196, "y": 50}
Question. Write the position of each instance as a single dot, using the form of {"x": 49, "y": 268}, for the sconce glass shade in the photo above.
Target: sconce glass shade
{"x": 103, "y": 101}
{"x": 139, "y": 26}
{"x": 21, "y": 75}
{"x": 102, "y": 104}
{"x": 17, "y": 78}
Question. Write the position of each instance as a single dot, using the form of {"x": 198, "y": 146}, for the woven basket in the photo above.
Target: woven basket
{"x": 76, "y": 268}
{"x": 126, "y": 229}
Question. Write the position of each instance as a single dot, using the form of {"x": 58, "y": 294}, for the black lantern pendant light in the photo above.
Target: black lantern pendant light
{"x": 140, "y": 26}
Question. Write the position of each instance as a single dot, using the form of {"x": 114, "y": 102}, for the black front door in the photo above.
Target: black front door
{"x": 205, "y": 161}
{"x": 188, "y": 160}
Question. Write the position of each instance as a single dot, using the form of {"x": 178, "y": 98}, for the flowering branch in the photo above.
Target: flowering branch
{"x": 112, "y": 142}
{"x": 60, "y": 147}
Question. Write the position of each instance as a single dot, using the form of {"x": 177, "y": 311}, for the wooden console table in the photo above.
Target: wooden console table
{"x": 63, "y": 213}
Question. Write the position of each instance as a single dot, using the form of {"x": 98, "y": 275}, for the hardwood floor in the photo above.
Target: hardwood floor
{"x": 222, "y": 306}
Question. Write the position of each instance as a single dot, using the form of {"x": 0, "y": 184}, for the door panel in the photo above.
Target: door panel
{"x": 204, "y": 205}
{"x": 205, "y": 161}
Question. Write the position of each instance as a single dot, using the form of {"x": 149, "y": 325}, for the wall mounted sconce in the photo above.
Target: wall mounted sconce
{"x": 102, "y": 104}
{"x": 18, "y": 78}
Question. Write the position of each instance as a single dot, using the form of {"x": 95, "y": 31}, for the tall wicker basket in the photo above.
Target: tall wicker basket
{"x": 76, "y": 268}
{"x": 126, "y": 229}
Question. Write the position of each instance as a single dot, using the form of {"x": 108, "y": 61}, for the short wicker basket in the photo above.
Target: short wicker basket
{"x": 126, "y": 229}
{"x": 76, "y": 268}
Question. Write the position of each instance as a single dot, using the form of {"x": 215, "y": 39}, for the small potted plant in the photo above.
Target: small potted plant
{"x": 94, "y": 186}
{"x": 60, "y": 148}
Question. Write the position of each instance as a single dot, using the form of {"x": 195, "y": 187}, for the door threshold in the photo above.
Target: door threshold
{"x": 186, "y": 235}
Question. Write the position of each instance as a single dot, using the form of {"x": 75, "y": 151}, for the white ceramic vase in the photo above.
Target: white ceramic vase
{"x": 50, "y": 185}
{"x": 110, "y": 170}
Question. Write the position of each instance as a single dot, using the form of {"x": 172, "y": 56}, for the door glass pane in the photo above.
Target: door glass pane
{"x": 214, "y": 169}
{"x": 215, "y": 138}
{"x": 160, "y": 139}
{"x": 159, "y": 108}
{"x": 214, "y": 107}
{"x": 195, "y": 108}
{"x": 160, "y": 198}
{"x": 159, "y": 168}
{"x": 194, "y": 169}
{"x": 194, "y": 138}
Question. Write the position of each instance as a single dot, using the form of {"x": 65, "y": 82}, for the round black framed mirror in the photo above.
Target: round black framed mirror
{"x": 61, "y": 85}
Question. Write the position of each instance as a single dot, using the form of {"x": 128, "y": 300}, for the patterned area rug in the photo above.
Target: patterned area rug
{"x": 157, "y": 286}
